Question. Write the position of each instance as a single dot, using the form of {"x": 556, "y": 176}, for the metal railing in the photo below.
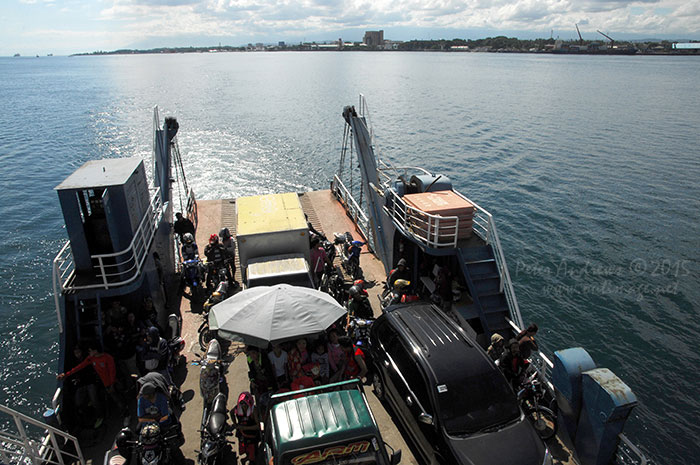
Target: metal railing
{"x": 356, "y": 213}
{"x": 17, "y": 447}
{"x": 113, "y": 269}
{"x": 485, "y": 227}
{"x": 434, "y": 231}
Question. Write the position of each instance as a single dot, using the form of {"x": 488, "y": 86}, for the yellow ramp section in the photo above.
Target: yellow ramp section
{"x": 269, "y": 213}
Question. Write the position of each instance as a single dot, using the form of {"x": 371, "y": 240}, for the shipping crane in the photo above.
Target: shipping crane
{"x": 580, "y": 39}
{"x": 612, "y": 41}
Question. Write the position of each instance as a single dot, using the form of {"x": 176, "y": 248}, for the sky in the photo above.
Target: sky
{"x": 63, "y": 27}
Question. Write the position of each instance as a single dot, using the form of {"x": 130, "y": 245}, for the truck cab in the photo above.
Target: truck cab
{"x": 273, "y": 240}
{"x": 330, "y": 424}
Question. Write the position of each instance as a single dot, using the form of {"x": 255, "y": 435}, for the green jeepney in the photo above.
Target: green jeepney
{"x": 330, "y": 424}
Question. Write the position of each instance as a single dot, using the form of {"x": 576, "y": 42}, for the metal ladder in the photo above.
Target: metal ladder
{"x": 56, "y": 447}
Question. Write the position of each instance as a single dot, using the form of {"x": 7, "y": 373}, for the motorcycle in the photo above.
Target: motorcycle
{"x": 206, "y": 335}
{"x": 332, "y": 283}
{"x": 193, "y": 277}
{"x": 350, "y": 254}
{"x": 530, "y": 396}
{"x": 328, "y": 246}
{"x": 212, "y": 375}
{"x": 213, "y": 443}
{"x": 175, "y": 342}
{"x": 358, "y": 331}
{"x": 153, "y": 446}
{"x": 400, "y": 293}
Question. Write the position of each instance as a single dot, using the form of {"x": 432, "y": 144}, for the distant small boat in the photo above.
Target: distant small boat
{"x": 16, "y": 54}
{"x": 49, "y": 54}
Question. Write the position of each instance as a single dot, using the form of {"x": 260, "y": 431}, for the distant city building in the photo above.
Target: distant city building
{"x": 280, "y": 43}
{"x": 391, "y": 44}
{"x": 373, "y": 38}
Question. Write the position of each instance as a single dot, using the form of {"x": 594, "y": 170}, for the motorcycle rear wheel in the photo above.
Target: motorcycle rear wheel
{"x": 205, "y": 337}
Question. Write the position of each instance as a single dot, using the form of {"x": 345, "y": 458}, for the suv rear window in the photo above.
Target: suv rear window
{"x": 473, "y": 403}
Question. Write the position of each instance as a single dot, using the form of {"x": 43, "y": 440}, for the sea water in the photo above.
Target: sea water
{"x": 590, "y": 165}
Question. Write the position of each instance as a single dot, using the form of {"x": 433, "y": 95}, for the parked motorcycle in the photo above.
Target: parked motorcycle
{"x": 400, "y": 293}
{"x": 531, "y": 395}
{"x": 212, "y": 376}
{"x": 206, "y": 335}
{"x": 214, "y": 431}
{"x": 193, "y": 277}
{"x": 152, "y": 446}
{"x": 332, "y": 282}
{"x": 350, "y": 254}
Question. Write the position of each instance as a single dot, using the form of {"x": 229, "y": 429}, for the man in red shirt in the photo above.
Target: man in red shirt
{"x": 104, "y": 367}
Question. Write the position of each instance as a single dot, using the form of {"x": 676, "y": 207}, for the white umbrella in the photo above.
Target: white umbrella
{"x": 265, "y": 314}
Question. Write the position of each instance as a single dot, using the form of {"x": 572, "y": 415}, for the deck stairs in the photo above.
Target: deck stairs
{"x": 481, "y": 274}
{"x": 88, "y": 320}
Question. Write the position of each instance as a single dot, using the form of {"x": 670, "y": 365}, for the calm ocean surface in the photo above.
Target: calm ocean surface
{"x": 591, "y": 166}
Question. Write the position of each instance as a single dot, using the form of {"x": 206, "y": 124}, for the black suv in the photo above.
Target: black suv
{"x": 448, "y": 395}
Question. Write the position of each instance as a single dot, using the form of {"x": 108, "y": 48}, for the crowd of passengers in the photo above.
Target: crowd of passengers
{"x": 303, "y": 364}
{"x": 134, "y": 346}
{"x": 513, "y": 359}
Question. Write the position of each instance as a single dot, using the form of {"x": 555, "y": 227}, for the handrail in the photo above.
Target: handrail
{"x": 356, "y": 213}
{"x": 428, "y": 229}
{"x": 110, "y": 275}
{"x": 18, "y": 447}
{"x": 485, "y": 227}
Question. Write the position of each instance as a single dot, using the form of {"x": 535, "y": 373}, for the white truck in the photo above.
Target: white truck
{"x": 273, "y": 240}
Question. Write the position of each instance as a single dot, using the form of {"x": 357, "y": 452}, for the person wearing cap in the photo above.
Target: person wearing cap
{"x": 400, "y": 272}
{"x": 495, "y": 350}
{"x": 152, "y": 406}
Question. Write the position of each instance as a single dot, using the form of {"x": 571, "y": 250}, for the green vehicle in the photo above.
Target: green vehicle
{"x": 325, "y": 425}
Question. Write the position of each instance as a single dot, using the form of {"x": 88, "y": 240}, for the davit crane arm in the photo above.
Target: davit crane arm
{"x": 370, "y": 177}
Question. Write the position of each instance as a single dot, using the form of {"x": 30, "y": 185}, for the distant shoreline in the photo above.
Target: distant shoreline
{"x": 291, "y": 49}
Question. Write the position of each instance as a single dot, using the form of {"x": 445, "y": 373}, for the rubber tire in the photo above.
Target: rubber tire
{"x": 205, "y": 337}
{"x": 543, "y": 416}
{"x": 378, "y": 385}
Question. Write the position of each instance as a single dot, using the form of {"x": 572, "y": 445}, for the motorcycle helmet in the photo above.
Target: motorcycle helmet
{"x": 401, "y": 284}
{"x": 354, "y": 292}
{"x": 124, "y": 437}
{"x": 213, "y": 239}
{"x": 150, "y": 434}
{"x": 188, "y": 238}
{"x": 224, "y": 233}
